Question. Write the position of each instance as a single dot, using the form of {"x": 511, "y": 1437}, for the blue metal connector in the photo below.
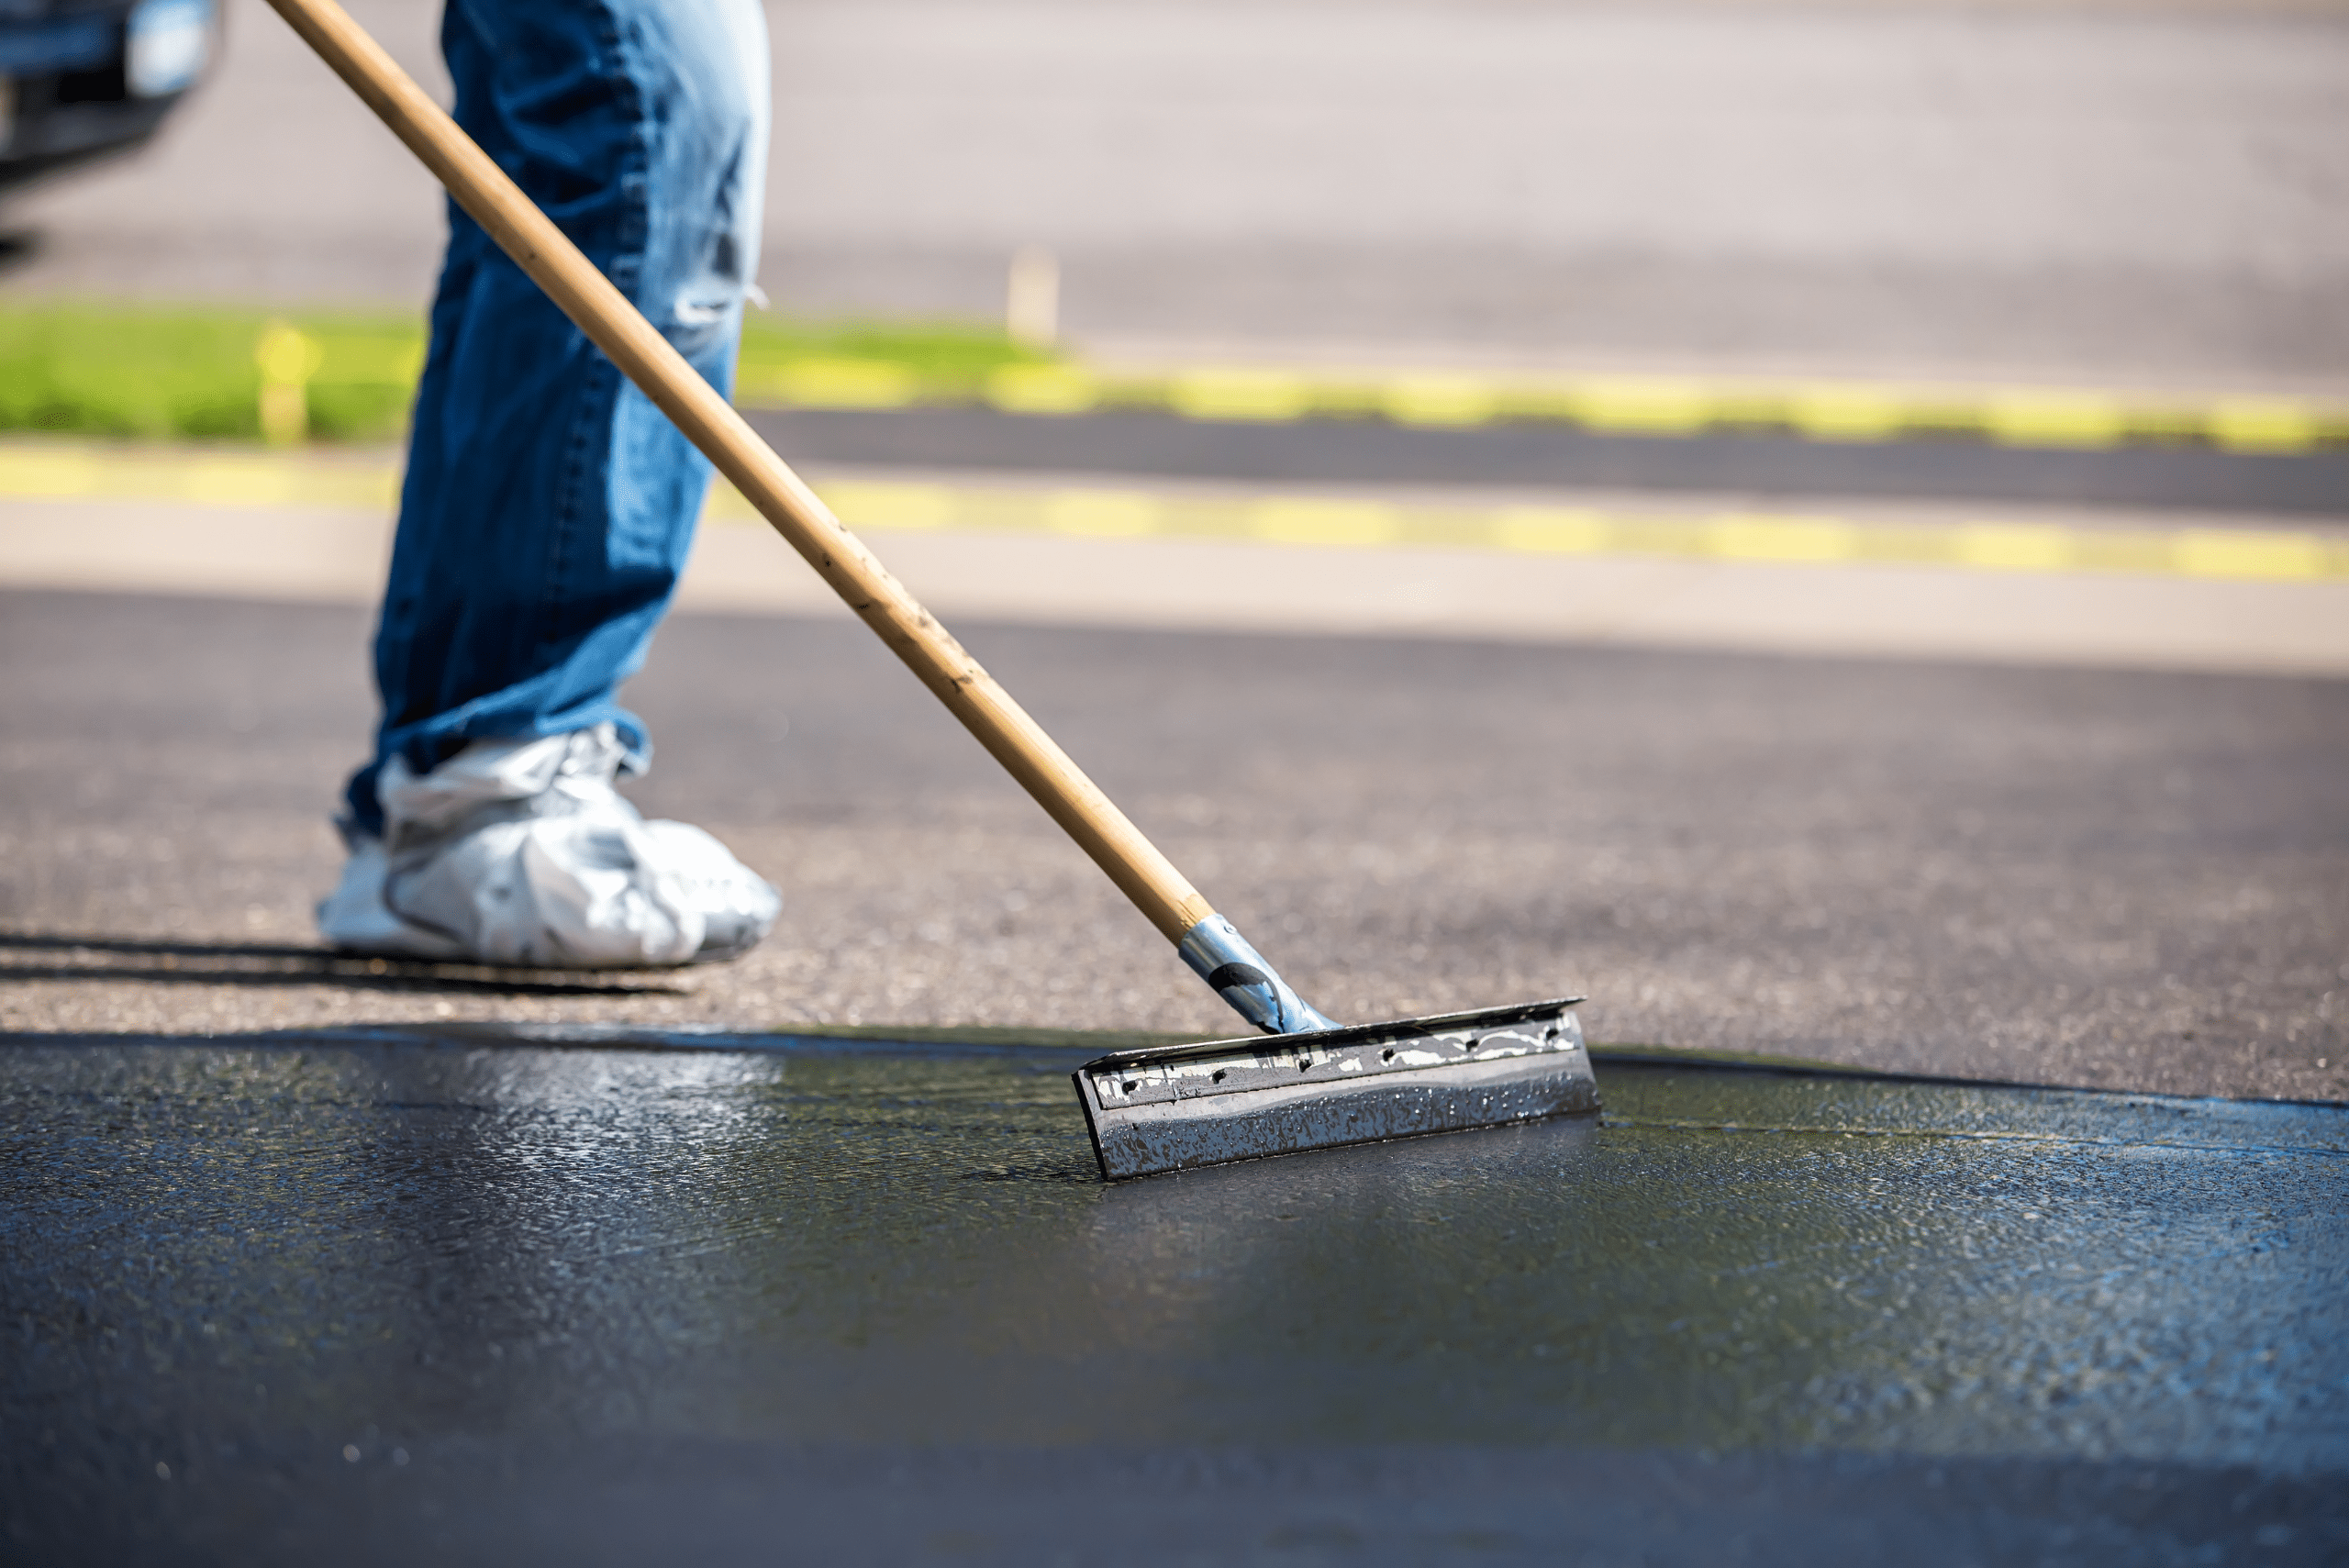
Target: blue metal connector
{"x": 1222, "y": 958}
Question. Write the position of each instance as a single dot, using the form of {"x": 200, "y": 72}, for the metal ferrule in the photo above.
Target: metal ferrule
{"x": 1221, "y": 956}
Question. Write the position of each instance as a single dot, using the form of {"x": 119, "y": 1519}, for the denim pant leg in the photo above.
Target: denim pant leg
{"x": 548, "y": 506}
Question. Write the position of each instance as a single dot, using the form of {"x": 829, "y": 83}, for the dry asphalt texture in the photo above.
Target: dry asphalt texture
{"x": 2133, "y": 879}
{"x": 2130, "y": 880}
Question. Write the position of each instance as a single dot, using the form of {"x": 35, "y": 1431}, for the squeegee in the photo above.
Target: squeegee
{"x": 1316, "y": 1085}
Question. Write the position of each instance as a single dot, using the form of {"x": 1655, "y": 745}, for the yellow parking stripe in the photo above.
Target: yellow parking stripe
{"x": 96, "y": 472}
{"x": 1991, "y": 547}
{"x": 53, "y": 471}
{"x": 1784, "y": 538}
{"x": 1651, "y": 405}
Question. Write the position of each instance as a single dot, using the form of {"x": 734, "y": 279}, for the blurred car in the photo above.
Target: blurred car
{"x": 83, "y": 78}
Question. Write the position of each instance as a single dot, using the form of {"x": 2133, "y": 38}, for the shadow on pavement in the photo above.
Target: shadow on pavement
{"x": 271, "y": 964}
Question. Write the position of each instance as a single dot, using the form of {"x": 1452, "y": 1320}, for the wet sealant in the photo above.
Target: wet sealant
{"x": 377, "y": 1295}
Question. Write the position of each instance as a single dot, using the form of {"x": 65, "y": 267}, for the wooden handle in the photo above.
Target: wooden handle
{"x": 616, "y": 327}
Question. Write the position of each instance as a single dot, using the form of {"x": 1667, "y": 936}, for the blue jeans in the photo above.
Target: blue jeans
{"x": 548, "y": 506}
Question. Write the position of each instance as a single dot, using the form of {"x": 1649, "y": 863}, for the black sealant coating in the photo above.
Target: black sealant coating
{"x": 1228, "y": 975}
{"x": 389, "y": 1301}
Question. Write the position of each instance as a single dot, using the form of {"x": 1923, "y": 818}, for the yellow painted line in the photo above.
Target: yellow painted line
{"x": 1550, "y": 530}
{"x": 2055, "y": 419}
{"x": 1746, "y": 537}
{"x": 205, "y": 479}
{"x": 2227, "y": 553}
{"x": 1652, "y": 406}
{"x": 1099, "y": 514}
{"x": 1440, "y": 400}
{"x": 1995, "y": 546}
{"x": 1043, "y": 389}
{"x": 56, "y": 471}
{"x": 2249, "y": 555}
{"x": 1356, "y": 523}
{"x": 2268, "y": 425}
{"x": 1644, "y": 407}
{"x": 1846, "y": 414}
{"x": 1239, "y": 394}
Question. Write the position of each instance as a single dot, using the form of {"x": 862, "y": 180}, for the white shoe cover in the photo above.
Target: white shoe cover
{"x": 521, "y": 853}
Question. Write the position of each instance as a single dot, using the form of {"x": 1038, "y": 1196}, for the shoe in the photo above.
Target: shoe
{"x": 522, "y": 853}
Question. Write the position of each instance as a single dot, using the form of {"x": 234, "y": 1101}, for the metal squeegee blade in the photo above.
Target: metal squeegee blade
{"x": 1170, "y": 1109}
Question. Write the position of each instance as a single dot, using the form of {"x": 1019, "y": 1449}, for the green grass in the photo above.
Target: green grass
{"x": 158, "y": 373}
{"x": 932, "y": 349}
{"x": 89, "y": 369}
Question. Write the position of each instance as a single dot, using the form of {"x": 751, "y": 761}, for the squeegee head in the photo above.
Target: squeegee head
{"x": 1175, "y": 1107}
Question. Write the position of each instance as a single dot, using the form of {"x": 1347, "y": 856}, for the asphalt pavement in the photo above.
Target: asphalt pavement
{"x": 389, "y": 1295}
{"x": 2123, "y": 879}
{"x": 312, "y": 1257}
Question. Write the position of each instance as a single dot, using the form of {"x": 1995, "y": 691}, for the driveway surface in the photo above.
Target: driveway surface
{"x": 380, "y": 1299}
{"x": 2127, "y": 880}
{"x": 306, "y": 1258}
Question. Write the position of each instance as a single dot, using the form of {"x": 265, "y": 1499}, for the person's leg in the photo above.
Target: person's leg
{"x": 548, "y": 505}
